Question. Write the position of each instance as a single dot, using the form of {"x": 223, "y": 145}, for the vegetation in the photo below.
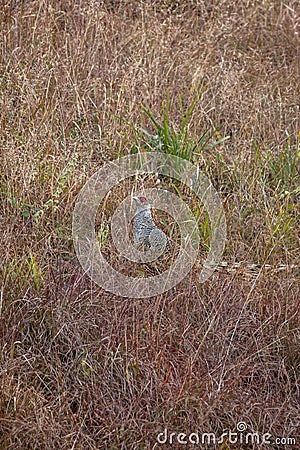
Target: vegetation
{"x": 82, "y": 83}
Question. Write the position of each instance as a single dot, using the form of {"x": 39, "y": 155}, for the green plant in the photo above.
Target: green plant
{"x": 178, "y": 143}
{"x": 22, "y": 273}
{"x": 55, "y": 198}
{"x": 102, "y": 234}
{"x": 278, "y": 170}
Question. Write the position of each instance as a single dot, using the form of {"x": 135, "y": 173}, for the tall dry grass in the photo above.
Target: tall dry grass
{"x": 81, "y": 368}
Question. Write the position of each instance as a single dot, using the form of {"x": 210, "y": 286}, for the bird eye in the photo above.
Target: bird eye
{"x": 143, "y": 199}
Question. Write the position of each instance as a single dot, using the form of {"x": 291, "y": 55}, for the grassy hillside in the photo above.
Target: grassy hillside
{"x": 82, "y": 368}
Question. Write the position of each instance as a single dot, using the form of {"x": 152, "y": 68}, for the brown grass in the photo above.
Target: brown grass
{"x": 82, "y": 368}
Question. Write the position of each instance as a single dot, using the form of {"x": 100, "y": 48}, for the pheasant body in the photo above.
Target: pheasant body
{"x": 146, "y": 234}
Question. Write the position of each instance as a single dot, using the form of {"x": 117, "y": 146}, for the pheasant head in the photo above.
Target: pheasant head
{"x": 142, "y": 203}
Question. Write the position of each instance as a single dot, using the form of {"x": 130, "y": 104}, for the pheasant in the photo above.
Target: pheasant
{"x": 146, "y": 234}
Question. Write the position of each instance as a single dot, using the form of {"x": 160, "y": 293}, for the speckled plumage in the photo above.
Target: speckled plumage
{"x": 146, "y": 234}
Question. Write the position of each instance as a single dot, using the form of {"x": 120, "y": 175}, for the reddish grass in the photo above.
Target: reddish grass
{"x": 82, "y": 368}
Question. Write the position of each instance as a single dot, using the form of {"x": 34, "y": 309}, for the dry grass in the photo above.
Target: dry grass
{"x": 81, "y": 368}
